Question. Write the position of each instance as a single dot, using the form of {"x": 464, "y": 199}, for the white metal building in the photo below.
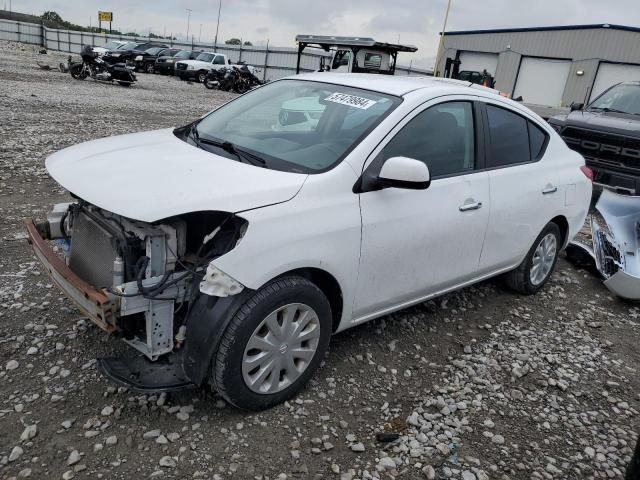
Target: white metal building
{"x": 550, "y": 66}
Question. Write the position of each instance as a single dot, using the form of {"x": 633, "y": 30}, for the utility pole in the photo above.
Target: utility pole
{"x": 188, "y": 20}
{"x": 215, "y": 40}
{"x": 440, "y": 45}
{"x": 200, "y": 34}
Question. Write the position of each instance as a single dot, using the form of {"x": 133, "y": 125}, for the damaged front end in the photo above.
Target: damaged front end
{"x": 616, "y": 244}
{"x": 138, "y": 280}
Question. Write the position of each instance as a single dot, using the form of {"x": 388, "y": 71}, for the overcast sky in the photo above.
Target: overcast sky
{"x": 412, "y": 21}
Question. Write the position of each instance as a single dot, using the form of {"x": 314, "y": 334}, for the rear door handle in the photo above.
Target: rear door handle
{"x": 549, "y": 189}
{"x": 470, "y": 206}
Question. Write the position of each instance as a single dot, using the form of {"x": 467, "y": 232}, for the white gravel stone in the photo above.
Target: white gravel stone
{"x": 167, "y": 461}
{"x": 151, "y": 434}
{"x": 387, "y": 463}
{"x": 15, "y": 454}
{"x": 107, "y": 411}
{"x": 357, "y": 447}
{"x": 74, "y": 457}
{"x": 12, "y": 365}
{"x": 29, "y": 432}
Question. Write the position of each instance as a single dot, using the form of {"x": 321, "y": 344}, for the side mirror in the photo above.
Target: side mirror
{"x": 576, "y": 106}
{"x": 396, "y": 172}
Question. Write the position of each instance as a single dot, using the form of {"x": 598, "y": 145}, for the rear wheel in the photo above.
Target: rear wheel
{"x": 210, "y": 83}
{"x": 538, "y": 265}
{"x": 273, "y": 345}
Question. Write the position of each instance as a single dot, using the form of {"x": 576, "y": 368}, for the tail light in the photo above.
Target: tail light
{"x": 587, "y": 172}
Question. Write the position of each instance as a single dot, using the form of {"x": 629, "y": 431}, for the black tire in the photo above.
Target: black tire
{"x": 210, "y": 83}
{"x": 519, "y": 279}
{"x": 77, "y": 72}
{"x": 148, "y": 68}
{"x": 226, "y": 371}
{"x": 201, "y": 76}
{"x": 241, "y": 87}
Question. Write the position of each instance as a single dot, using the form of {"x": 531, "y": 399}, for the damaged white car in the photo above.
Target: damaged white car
{"x": 227, "y": 253}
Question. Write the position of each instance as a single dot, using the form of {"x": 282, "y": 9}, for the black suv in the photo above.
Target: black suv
{"x": 128, "y": 52}
{"x": 165, "y": 64}
{"x": 607, "y": 134}
{"x": 145, "y": 61}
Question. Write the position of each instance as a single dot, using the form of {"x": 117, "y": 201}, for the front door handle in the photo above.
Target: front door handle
{"x": 470, "y": 206}
{"x": 549, "y": 189}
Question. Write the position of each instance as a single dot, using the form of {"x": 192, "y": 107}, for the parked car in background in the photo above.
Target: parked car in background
{"x": 126, "y": 53}
{"x": 205, "y": 62}
{"x": 165, "y": 64}
{"x": 405, "y": 189}
{"x": 110, "y": 45}
{"x": 479, "y": 78}
{"x": 145, "y": 62}
{"x": 607, "y": 133}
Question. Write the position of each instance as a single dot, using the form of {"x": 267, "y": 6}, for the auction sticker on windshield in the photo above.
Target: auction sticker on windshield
{"x": 350, "y": 100}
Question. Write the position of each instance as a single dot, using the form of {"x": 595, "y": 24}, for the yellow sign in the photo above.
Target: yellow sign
{"x": 105, "y": 16}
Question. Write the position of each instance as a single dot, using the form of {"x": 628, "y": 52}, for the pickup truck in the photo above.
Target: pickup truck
{"x": 203, "y": 64}
{"x": 607, "y": 133}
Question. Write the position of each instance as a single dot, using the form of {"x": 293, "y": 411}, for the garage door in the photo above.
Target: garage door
{"x": 478, "y": 61}
{"x": 541, "y": 81}
{"x": 610, "y": 73}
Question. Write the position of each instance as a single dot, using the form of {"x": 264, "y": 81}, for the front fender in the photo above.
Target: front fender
{"x": 207, "y": 321}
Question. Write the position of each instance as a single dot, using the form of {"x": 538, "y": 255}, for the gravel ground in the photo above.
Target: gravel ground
{"x": 479, "y": 384}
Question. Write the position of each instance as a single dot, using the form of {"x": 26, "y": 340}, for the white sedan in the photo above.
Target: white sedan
{"x": 228, "y": 253}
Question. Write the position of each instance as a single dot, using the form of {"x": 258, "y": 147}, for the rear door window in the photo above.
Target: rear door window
{"x": 537, "y": 141}
{"x": 508, "y": 138}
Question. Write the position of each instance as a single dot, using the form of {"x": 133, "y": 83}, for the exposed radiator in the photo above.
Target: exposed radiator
{"x": 92, "y": 252}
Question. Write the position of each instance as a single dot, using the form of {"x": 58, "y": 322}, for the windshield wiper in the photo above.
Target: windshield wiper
{"x": 610, "y": 110}
{"x": 241, "y": 155}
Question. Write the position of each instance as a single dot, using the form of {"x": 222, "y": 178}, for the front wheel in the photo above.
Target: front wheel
{"x": 538, "y": 265}
{"x": 77, "y": 71}
{"x": 201, "y": 77}
{"x": 273, "y": 345}
{"x": 148, "y": 68}
{"x": 241, "y": 87}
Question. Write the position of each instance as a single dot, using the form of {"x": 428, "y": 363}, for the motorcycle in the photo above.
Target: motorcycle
{"x": 216, "y": 79}
{"x": 246, "y": 80}
{"x": 96, "y": 68}
{"x": 238, "y": 79}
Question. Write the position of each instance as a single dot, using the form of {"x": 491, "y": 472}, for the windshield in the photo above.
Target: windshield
{"x": 182, "y": 54}
{"x": 205, "y": 57}
{"x": 129, "y": 46}
{"x": 112, "y": 45}
{"x": 297, "y": 126}
{"x": 154, "y": 50}
{"x": 623, "y": 98}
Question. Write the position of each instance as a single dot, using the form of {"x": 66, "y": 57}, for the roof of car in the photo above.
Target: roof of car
{"x": 390, "y": 84}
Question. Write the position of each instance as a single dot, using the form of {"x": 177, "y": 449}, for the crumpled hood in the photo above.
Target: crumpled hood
{"x": 154, "y": 175}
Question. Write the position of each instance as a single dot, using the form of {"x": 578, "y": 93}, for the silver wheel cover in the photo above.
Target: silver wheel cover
{"x": 543, "y": 258}
{"x": 281, "y": 348}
